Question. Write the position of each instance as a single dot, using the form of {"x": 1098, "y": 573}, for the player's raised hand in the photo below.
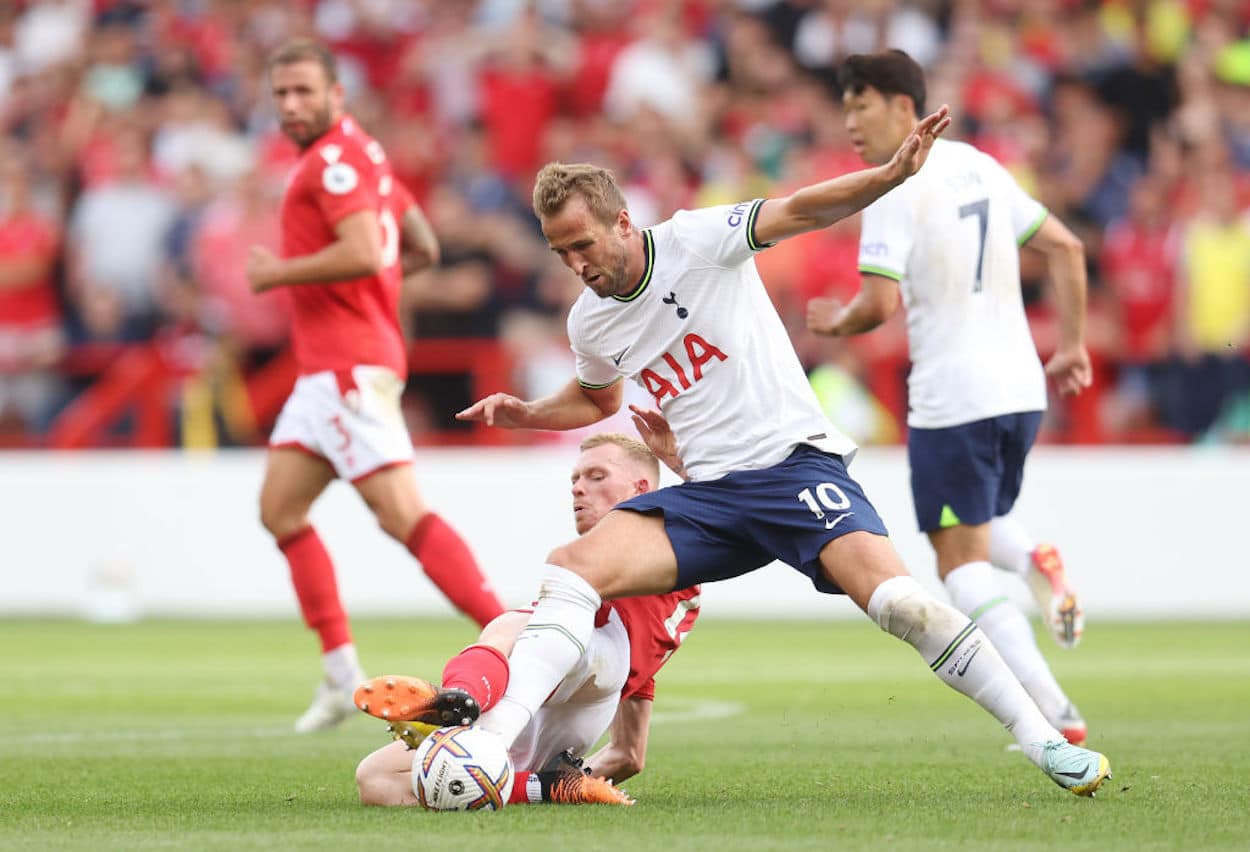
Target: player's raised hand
{"x": 659, "y": 438}
{"x": 911, "y": 155}
{"x": 498, "y": 409}
{"x": 1071, "y": 370}
{"x": 822, "y": 315}
{"x": 262, "y": 269}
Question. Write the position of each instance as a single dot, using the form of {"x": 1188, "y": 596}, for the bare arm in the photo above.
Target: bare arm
{"x": 625, "y": 753}
{"x": 573, "y": 407}
{"x": 419, "y": 244}
{"x": 355, "y": 253}
{"x": 18, "y": 271}
{"x": 877, "y": 300}
{"x": 820, "y": 205}
{"x": 1065, "y": 262}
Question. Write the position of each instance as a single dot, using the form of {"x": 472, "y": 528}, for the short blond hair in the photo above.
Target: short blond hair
{"x": 558, "y": 182}
{"x": 634, "y": 449}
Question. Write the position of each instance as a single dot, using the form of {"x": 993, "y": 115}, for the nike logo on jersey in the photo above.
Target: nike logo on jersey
{"x": 830, "y": 524}
{"x": 616, "y": 359}
{"x": 671, "y": 299}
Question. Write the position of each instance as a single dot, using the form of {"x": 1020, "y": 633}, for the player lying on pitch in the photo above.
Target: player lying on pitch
{"x": 611, "y": 687}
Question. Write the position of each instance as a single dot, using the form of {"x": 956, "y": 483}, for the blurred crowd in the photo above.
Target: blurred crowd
{"x": 140, "y": 159}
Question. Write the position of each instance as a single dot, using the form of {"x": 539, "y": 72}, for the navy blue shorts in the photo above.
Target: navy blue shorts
{"x": 969, "y": 474}
{"x": 730, "y": 526}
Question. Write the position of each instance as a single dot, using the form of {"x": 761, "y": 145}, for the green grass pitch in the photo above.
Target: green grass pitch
{"x": 175, "y": 735}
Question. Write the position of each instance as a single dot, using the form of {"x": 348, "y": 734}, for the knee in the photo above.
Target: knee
{"x": 281, "y": 520}
{"x": 897, "y": 604}
{"x": 396, "y": 521}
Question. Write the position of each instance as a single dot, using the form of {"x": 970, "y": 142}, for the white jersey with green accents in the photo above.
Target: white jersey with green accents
{"x": 951, "y": 235}
{"x": 701, "y": 336}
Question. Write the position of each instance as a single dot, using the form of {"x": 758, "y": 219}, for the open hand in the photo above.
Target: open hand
{"x": 911, "y": 155}
{"x": 498, "y": 409}
{"x": 659, "y": 438}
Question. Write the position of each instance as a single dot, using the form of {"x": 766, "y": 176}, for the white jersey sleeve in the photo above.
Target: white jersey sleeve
{"x": 886, "y": 236}
{"x": 721, "y": 236}
{"x": 593, "y": 371}
{"x": 1027, "y": 213}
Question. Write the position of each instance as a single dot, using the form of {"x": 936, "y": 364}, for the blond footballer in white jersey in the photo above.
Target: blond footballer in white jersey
{"x": 659, "y": 302}
{"x": 948, "y": 242}
{"x": 699, "y": 333}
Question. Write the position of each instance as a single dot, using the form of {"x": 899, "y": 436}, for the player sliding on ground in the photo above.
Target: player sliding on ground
{"x": 610, "y": 687}
{"x": 680, "y": 309}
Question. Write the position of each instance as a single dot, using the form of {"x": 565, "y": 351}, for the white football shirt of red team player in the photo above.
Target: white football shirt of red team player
{"x": 656, "y": 624}
{"x": 701, "y": 336}
{"x": 338, "y": 325}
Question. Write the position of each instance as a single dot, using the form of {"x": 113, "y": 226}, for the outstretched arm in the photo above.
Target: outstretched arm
{"x": 573, "y": 407}
{"x": 820, "y": 205}
{"x": 1065, "y": 262}
{"x": 625, "y": 753}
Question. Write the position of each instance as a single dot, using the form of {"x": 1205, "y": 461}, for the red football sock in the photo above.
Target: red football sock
{"x": 450, "y": 566}
{"x": 520, "y": 789}
{"x": 312, "y": 573}
{"x": 481, "y": 671}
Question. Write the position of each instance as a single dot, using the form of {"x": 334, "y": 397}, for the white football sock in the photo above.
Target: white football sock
{"x": 342, "y": 667}
{"x": 962, "y": 656}
{"x": 977, "y": 592}
{"x": 556, "y": 637}
{"x": 1011, "y": 546}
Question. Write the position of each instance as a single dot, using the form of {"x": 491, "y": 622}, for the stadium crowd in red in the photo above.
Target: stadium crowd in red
{"x": 140, "y": 161}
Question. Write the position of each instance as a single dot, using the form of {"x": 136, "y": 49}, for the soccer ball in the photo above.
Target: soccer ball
{"x": 462, "y": 769}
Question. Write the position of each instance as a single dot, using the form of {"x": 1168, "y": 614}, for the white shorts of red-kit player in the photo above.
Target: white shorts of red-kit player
{"x": 349, "y": 418}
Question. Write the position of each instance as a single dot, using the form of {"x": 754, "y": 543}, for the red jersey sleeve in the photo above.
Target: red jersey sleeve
{"x": 344, "y": 184}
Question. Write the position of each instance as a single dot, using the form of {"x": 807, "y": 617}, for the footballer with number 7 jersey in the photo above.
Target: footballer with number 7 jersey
{"x": 947, "y": 246}
{"x": 680, "y": 309}
{"x": 347, "y": 225}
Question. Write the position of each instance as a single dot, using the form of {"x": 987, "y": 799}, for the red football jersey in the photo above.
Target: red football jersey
{"x": 338, "y": 325}
{"x": 656, "y": 624}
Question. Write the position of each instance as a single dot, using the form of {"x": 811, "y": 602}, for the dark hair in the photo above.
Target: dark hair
{"x": 306, "y": 50}
{"x": 890, "y": 72}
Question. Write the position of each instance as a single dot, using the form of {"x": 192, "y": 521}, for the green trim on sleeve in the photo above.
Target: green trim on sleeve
{"x": 752, "y": 243}
{"x": 590, "y": 386}
{"x": 1032, "y": 229}
{"x": 882, "y": 271}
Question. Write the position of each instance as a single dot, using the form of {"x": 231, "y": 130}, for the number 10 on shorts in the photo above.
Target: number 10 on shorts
{"x": 826, "y": 494}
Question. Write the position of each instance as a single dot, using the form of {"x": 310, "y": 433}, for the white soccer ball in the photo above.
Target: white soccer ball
{"x": 462, "y": 769}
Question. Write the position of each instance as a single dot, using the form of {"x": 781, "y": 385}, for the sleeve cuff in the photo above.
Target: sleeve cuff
{"x": 880, "y": 270}
{"x": 1032, "y": 229}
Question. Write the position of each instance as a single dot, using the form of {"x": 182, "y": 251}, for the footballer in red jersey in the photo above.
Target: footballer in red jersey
{"x": 347, "y": 227}
{"x": 611, "y": 687}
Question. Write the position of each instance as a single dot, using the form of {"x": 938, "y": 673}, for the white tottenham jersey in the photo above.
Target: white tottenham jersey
{"x": 701, "y": 336}
{"x": 951, "y": 235}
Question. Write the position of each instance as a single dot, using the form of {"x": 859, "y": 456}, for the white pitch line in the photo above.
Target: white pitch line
{"x": 695, "y": 711}
{"x": 164, "y": 734}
